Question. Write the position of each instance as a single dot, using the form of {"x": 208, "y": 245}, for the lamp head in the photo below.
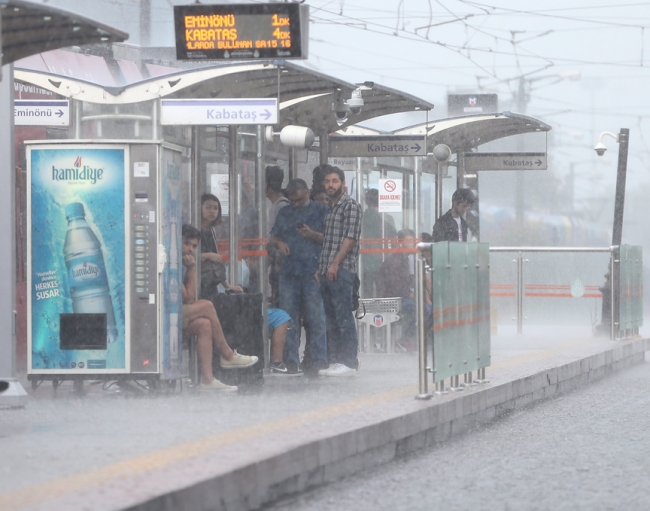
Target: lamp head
{"x": 600, "y": 148}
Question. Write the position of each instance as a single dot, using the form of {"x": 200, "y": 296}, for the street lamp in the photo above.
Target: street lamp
{"x": 623, "y": 138}
{"x": 611, "y": 306}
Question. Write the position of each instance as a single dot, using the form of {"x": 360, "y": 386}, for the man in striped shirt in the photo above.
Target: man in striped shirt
{"x": 338, "y": 273}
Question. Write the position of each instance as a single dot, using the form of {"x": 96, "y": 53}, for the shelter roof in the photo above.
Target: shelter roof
{"x": 467, "y": 132}
{"x": 29, "y": 28}
{"x": 305, "y": 96}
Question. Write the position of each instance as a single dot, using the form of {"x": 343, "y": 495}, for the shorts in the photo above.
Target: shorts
{"x": 276, "y": 317}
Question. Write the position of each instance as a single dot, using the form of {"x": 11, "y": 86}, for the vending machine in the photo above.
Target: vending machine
{"x": 104, "y": 260}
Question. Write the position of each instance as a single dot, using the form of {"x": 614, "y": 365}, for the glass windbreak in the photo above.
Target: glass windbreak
{"x": 558, "y": 288}
{"x": 230, "y": 206}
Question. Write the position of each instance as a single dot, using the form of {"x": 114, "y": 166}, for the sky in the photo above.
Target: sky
{"x": 582, "y": 63}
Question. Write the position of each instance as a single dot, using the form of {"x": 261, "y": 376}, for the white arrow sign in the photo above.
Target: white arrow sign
{"x": 214, "y": 112}
{"x": 38, "y": 112}
{"x": 380, "y": 145}
{"x": 504, "y": 161}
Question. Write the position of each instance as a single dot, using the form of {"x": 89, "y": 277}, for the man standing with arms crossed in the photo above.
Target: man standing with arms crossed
{"x": 338, "y": 273}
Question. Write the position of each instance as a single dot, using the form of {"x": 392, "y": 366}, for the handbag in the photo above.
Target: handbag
{"x": 212, "y": 274}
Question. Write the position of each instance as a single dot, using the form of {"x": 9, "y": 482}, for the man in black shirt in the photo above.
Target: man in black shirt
{"x": 452, "y": 226}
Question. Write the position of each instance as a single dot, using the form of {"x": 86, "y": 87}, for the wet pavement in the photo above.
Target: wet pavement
{"x": 62, "y": 443}
{"x": 586, "y": 449}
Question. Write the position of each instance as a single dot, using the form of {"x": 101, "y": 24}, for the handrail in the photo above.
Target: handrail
{"x": 615, "y": 259}
{"x": 612, "y": 250}
{"x": 553, "y": 249}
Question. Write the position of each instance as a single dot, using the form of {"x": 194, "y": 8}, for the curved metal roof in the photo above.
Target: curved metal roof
{"x": 467, "y": 132}
{"x": 305, "y": 96}
{"x": 29, "y": 28}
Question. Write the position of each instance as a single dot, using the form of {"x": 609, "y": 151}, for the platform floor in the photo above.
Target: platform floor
{"x": 87, "y": 452}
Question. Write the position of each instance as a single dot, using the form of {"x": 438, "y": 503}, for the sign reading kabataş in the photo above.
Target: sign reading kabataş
{"x": 504, "y": 161}
{"x": 380, "y": 145}
{"x": 390, "y": 196}
{"x": 213, "y": 112}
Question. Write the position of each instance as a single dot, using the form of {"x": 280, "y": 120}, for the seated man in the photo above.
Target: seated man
{"x": 200, "y": 319}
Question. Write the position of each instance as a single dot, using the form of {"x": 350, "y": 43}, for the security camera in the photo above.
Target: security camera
{"x": 341, "y": 114}
{"x": 341, "y": 110}
{"x": 600, "y": 148}
{"x": 355, "y": 103}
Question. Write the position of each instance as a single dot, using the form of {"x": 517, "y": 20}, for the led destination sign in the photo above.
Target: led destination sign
{"x": 241, "y": 31}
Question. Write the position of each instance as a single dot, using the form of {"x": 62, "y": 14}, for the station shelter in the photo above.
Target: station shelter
{"x": 115, "y": 94}
{"x": 121, "y": 100}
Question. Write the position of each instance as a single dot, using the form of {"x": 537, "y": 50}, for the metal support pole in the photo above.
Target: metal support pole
{"x": 614, "y": 295}
{"x": 423, "y": 392}
{"x": 417, "y": 199}
{"x": 154, "y": 120}
{"x": 78, "y": 107}
{"x": 520, "y": 293}
{"x": 293, "y": 163}
{"x": 619, "y": 203}
{"x": 439, "y": 172}
{"x": 324, "y": 152}
{"x": 14, "y": 395}
{"x": 260, "y": 188}
{"x": 233, "y": 215}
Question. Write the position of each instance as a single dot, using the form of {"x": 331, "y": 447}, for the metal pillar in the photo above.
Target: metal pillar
{"x": 439, "y": 174}
{"x": 260, "y": 188}
{"x": 619, "y": 203}
{"x": 15, "y": 395}
{"x": 324, "y": 140}
{"x": 423, "y": 390}
{"x": 233, "y": 214}
{"x": 520, "y": 293}
{"x": 293, "y": 163}
{"x": 614, "y": 265}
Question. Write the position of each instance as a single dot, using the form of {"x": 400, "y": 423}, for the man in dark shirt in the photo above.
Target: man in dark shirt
{"x": 452, "y": 226}
{"x": 338, "y": 272}
{"x": 297, "y": 235}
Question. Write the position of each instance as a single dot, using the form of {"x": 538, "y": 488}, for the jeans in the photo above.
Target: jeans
{"x": 342, "y": 341}
{"x": 301, "y": 293}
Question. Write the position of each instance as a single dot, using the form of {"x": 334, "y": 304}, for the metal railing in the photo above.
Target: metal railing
{"x": 625, "y": 268}
{"x": 520, "y": 272}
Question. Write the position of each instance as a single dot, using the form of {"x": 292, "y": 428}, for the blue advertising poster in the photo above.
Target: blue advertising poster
{"x": 77, "y": 258}
{"x": 171, "y": 221}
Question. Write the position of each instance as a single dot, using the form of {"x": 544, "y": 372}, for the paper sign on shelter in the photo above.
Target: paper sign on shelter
{"x": 390, "y": 196}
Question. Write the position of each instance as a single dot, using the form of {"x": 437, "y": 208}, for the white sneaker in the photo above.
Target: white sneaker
{"x": 338, "y": 370}
{"x": 217, "y": 385}
{"x": 238, "y": 361}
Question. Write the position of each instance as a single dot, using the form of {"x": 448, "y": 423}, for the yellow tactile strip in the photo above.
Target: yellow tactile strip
{"x": 41, "y": 493}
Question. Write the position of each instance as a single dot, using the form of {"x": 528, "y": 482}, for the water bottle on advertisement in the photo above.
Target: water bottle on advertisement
{"x": 86, "y": 269}
{"x": 173, "y": 296}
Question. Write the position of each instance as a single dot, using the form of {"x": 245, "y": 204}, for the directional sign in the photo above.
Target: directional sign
{"x": 381, "y": 145}
{"x": 34, "y": 112}
{"x": 504, "y": 161}
{"x": 216, "y": 112}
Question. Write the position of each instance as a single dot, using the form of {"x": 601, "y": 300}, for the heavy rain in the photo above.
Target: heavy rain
{"x": 253, "y": 249}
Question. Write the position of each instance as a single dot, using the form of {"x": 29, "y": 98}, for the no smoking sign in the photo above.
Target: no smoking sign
{"x": 390, "y": 195}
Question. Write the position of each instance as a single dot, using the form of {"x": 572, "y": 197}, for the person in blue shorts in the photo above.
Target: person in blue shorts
{"x": 279, "y": 323}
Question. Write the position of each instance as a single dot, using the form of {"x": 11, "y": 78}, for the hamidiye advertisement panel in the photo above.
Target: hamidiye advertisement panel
{"x": 77, "y": 257}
